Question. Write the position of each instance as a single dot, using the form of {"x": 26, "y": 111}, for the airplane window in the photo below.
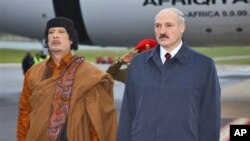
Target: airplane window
{"x": 239, "y": 29}
{"x": 44, "y": 15}
{"x": 209, "y": 30}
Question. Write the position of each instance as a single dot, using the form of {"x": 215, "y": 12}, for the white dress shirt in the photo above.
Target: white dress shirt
{"x": 173, "y": 52}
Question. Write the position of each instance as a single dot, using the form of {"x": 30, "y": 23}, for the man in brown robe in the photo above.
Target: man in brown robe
{"x": 66, "y": 98}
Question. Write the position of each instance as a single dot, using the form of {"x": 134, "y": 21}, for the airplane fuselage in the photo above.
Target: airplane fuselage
{"x": 125, "y": 22}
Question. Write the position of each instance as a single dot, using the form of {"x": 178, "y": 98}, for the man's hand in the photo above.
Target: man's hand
{"x": 126, "y": 58}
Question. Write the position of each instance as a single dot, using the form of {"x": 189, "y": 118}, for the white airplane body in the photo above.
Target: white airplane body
{"x": 125, "y": 22}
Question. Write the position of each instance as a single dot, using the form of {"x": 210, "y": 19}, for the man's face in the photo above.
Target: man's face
{"x": 168, "y": 31}
{"x": 58, "y": 40}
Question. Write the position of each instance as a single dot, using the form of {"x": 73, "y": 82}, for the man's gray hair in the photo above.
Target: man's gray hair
{"x": 179, "y": 13}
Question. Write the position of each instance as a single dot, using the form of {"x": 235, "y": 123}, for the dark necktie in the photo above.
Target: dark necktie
{"x": 168, "y": 56}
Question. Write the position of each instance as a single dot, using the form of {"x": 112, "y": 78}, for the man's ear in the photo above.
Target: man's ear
{"x": 182, "y": 28}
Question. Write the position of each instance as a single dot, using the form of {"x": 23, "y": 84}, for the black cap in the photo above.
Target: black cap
{"x": 66, "y": 23}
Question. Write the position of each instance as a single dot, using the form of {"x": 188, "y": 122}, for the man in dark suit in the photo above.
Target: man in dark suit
{"x": 27, "y": 62}
{"x": 172, "y": 93}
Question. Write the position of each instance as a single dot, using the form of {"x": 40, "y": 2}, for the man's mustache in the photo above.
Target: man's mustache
{"x": 56, "y": 42}
{"x": 163, "y": 36}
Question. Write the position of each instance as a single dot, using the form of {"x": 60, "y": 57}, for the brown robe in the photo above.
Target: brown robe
{"x": 92, "y": 101}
